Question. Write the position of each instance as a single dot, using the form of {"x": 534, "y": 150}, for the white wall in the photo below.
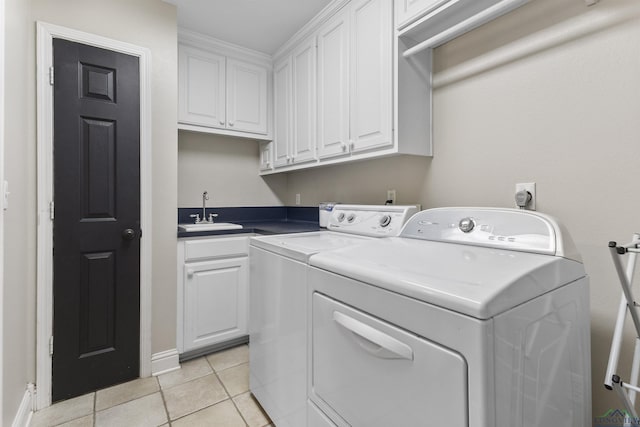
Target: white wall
{"x": 151, "y": 24}
{"x": 566, "y": 118}
{"x": 364, "y": 182}
{"x": 147, "y": 23}
{"x": 227, "y": 168}
{"x": 19, "y": 221}
{"x": 551, "y": 94}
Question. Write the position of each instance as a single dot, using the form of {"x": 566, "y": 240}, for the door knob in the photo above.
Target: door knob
{"x": 128, "y": 234}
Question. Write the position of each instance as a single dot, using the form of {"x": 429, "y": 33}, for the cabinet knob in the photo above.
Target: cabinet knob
{"x": 222, "y": 122}
{"x": 230, "y": 123}
{"x": 190, "y": 272}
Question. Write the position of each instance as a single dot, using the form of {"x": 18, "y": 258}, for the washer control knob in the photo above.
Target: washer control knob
{"x": 351, "y": 218}
{"x": 385, "y": 220}
{"x": 341, "y": 217}
{"x": 466, "y": 225}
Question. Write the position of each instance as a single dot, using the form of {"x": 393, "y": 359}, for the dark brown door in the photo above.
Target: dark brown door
{"x": 96, "y": 232}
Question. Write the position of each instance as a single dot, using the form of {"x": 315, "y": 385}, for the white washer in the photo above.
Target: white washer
{"x": 278, "y": 302}
{"x": 470, "y": 317}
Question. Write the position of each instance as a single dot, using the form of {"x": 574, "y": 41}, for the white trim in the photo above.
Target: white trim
{"x": 23, "y": 416}
{"x": 199, "y": 40}
{"x": 219, "y": 131}
{"x": 165, "y": 361}
{"x": 45, "y": 35}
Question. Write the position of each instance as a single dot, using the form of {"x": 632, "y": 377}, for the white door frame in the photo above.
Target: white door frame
{"x": 44, "y": 328}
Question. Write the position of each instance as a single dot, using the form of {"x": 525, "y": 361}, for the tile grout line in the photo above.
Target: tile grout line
{"x": 215, "y": 372}
{"x": 164, "y": 401}
{"x": 95, "y": 401}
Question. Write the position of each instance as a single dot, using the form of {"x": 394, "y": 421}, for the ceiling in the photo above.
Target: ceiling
{"x": 262, "y": 25}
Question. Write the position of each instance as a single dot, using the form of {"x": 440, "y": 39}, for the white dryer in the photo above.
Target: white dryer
{"x": 471, "y": 317}
{"x": 278, "y": 302}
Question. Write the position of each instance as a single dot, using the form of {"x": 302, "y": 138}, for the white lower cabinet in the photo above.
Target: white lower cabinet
{"x": 213, "y": 279}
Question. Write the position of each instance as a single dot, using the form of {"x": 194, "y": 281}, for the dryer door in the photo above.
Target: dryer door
{"x": 371, "y": 373}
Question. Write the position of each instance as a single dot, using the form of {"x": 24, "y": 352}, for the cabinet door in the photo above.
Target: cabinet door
{"x": 246, "y": 97}
{"x": 201, "y": 76}
{"x": 304, "y": 102}
{"x": 371, "y": 97}
{"x": 408, "y": 11}
{"x": 215, "y": 301}
{"x": 266, "y": 149}
{"x": 282, "y": 113}
{"x": 333, "y": 86}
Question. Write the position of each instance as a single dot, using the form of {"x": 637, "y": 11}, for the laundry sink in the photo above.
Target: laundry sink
{"x": 208, "y": 226}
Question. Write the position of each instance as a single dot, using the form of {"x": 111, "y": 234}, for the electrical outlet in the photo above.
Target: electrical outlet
{"x": 297, "y": 198}
{"x": 531, "y": 188}
{"x": 391, "y": 195}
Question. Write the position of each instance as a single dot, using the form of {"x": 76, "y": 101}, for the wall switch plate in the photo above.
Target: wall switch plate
{"x": 531, "y": 188}
{"x": 391, "y": 195}
{"x": 297, "y": 198}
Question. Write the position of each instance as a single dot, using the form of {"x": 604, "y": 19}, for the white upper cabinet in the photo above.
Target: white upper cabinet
{"x": 282, "y": 112}
{"x": 294, "y": 85}
{"x": 333, "y": 86}
{"x": 246, "y": 97}
{"x": 266, "y": 156}
{"x": 223, "y": 88}
{"x": 373, "y": 79}
{"x": 355, "y": 79}
{"x": 371, "y": 88}
{"x": 303, "y": 59}
{"x": 202, "y": 86}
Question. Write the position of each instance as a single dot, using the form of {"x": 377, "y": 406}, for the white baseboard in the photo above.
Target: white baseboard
{"x": 23, "y": 416}
{"x": 165, "y": 361}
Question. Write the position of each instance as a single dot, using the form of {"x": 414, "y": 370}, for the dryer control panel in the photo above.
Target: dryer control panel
{"x": 509, "y": 229}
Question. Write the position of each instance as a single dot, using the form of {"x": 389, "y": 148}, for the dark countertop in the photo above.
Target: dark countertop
{"x": 259, "y": 227}
{"x": 258, "y": 220}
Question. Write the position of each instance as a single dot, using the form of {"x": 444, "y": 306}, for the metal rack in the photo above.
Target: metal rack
{"x": 626, "y": 390}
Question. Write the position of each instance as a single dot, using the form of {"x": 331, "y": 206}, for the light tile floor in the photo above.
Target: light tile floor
{"x": 209, "y": 391}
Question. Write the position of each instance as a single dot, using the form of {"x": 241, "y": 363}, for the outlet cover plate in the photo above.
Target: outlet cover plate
{"x": 531, "y": 188}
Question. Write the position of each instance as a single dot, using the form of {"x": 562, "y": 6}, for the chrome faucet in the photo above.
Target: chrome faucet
{"x": 198, "y": 220}
{"x": 205, "y": 197}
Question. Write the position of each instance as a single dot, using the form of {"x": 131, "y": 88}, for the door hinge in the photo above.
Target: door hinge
{"x": 51, "y": 76}
{"x": 51, "y": 345}
{"x": 52, "y": 211}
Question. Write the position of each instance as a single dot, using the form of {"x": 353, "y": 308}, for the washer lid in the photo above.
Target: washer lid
{"x": 300, "y": 246}
{"x": 476, "y": 281}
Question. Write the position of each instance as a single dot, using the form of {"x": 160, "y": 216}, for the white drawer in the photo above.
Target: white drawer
{"x": 216, "y": 247}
